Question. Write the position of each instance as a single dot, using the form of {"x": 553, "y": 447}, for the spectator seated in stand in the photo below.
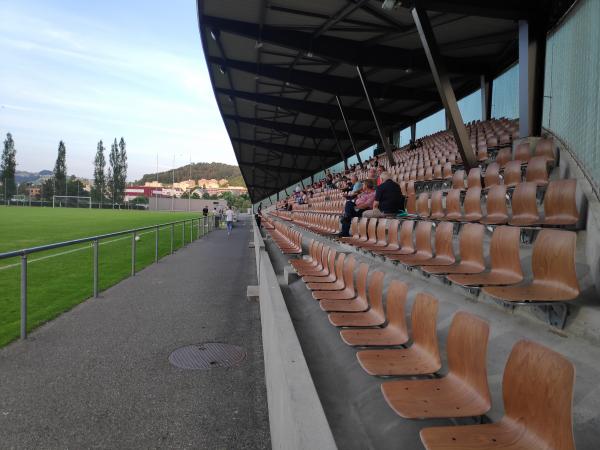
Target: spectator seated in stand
{"x": 388, "y": 198}
{"x": 356, "y": 208}
{"x": 356, "y": 187}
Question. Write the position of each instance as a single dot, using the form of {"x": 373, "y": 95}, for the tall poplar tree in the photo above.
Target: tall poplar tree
{"x": 122, "y": 167}
{"x": 60, "y": 171}
{"x": 114, "y": 172}
{"x": 99, "y": 188}
{"x": 8, "y": 167}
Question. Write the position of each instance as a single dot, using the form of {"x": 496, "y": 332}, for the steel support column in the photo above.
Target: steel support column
{"x": 413, "y": 132}
{"x": 344, "y": 118}
{"x": 382, "y": 137}
{"x": 339, "y": 147}
{"x": 532, "y": 58}
{"x": 486, "y": 97}
{"x": 442, "y": 81}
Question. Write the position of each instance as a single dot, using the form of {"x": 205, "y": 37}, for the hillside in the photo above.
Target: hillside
{"x": 199, "y": 170}
{"x": 22, "y": 176}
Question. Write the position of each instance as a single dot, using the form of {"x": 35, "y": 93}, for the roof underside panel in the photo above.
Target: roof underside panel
{"x": 277, "y": 66}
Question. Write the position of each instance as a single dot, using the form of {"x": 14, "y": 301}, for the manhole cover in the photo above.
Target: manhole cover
{"x": 207, "y": 356}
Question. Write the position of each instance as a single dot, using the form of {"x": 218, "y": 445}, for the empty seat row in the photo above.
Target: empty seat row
{"x": 289, "y": 241}
{"x": 320, "y": 223}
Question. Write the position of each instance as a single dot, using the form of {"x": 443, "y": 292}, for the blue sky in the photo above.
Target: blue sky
{"x": 83, "y": 70}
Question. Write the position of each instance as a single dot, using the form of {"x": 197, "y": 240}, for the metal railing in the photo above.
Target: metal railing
{"x": 204, "y": 226}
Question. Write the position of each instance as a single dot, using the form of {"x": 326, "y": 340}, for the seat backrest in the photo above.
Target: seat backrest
{"x": 458, "y": 180}
{"x": 447, "y": 171}
{"x": 423, "y": 237}
{"x": 423, "y": 319}
{"x": 349, "y": 265}
{"x": 354, "y": 228}
{"x": 522, "y": 152}
{"x": 406, "y": 235}
{"x": 537, "y": 389}
{"x": 472, "y": 204}
{"x": 437, "y": 172}
{"x": 537, "y": 170}
{"x": 392, "y": 232}
{"x": 474, "y": 178}
{"x": 553, "y": 260}
{"x": 330, "y": 268}
{"x": 505, "y": 253}
{"x": 423, "y": 204}
{"x": 492, "y": 175}
{"x": 545, "y": 147}
{"x": 339, "y": 266}
{"x": 437, "y": 209}
{"x": 504, "y": 155}
{"x": 560, "y": 204}
{"x": 322, "y": 252}
{"x": 372, "y": 230}
{"x": 512, "y": 173}
{"x": 410, "y": 188}
{"x": 395, "y": 307}
{"x": 524, "y": 204}
{"x": 453, "y": 210}
{"x": 362, "y": 228}
{"x": 376, "y": 292}
{"x": 361, "y": 281}
{"x": 471, "y": 243}
{"x": 467, "y": 352}
{"x": 496, "y": 202}
{"x": 381, "y": 229}
{"x": 411, "y": 207}
{"x": 443, "y": 240}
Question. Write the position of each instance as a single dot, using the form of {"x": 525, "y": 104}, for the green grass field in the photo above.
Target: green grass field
{"x": 62, "y": 278}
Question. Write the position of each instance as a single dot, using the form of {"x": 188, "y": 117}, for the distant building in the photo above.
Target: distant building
{"x": 132, "y": 192}
{"x": 34, "y": 191}
{"x": 185, "y": 185}
{"x": 208, "y": 184}
{"x": 153, "y": 184}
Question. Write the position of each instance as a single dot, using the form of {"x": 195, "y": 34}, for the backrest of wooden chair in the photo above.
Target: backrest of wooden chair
{"x": 392, "y": 232}
{"x": 545, "y": 147}
{"x": 560, "y": 203}
{"x": 492, "y": 175}
{"x": 537, "y": 170}
{"x": 447, "y": 171}
{"x": 512, "y": 173}
{"x": 330, "y": 269}
{"x": 362, "y": 228}
{"x": 443, "y": 239}
{"x": 410, "y": 188}
{"x": 437, "y": 209}
{"x": 537, "y": 388}
{"x": 423, "y": 204}
{"x": 553, "y": 259}
{"x": 467, "y": 352}
{"x": 437, "y": 172}
{"x": 423, "y": 319}
{"x": 381, "y": 230}
{"x": 458, "y": 179}
{"x": 472, "y": 203}
{"x": 376, "y": 291}
{"x": 474, "y": 178}
{"x": 411, "y": 207}
{"x": 453, "y": 203}
{"x": 471, "y": 243}
{"x": 361, "y": 280}
{"x": 395, "y": 305}
{"x": 522, "y": 152}
{"x": 406, "y": 235}
{"x": 503, "y": 156}
{"x": 423, "y": 237}
{"x": 372, "y": 230}
{"x": 496, "y": 201}
{"x": 349, "y": 265}
{"x": 524, "y": 203}
{"x": 354, "y": 228}
{"x": 339, "y": 266}
{"x": 505, "y": 252}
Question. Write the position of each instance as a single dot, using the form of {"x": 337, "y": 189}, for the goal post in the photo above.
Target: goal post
{"x": 71, "y": 201}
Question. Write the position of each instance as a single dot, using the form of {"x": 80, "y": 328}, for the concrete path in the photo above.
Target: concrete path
{"x": 99, "y": 375}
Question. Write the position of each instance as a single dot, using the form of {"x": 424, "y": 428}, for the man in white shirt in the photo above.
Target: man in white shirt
{"x": 229, "y": 219}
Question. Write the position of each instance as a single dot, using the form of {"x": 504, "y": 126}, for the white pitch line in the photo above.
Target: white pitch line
{"x": 66, "y": 252}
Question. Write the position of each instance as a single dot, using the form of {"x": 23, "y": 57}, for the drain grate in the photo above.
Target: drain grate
{"x": 207, "y": 356}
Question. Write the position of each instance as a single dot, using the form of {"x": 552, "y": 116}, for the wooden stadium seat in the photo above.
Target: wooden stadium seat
{"x": 405, "y": 243}
{"x": 437, "y": 172}
{"x": 503, "y": 156}
{"x": 472, "y": 204}
{"x": 560, "y": 204}
{"x": 392, "y": 244}
{"x": 372, "y": 317}
{"x": 327, "y": 275}
{"x": 411, "y": 204}
{"x": 537, "y": 171}
{"x": 362, "y": 232}
{"x": 381, "y": 239}
{"x": 474, "y": 178}
{"x": 422, "y": 357}
{"x": 512, "y": 173}
{"x": 471, "y": 252}
{"x": 354, "y": 234}
{"x": 492, "y": 175}
{"x": 447, "y": 171}
{"x": 537, "y": 389}
{"x": 348, "y": 292}
{"x": 505, "y": 261}
{"x": 463, "y": 392}
{"x": 371, "y": 235}
{"x": 410, "y": 188}
{"x": 545, "y": 147}
{"x": 395, "y": 331}
{"x": 453, "y": 210}
{"x": 522, "y": 152}
{"x": 312, "y": 261}
{"x": 321, "y": 267}
{"x": 423, "y": 205}
{"x": 496, "y": 210}
{"x": 333, "y": 282}
{"x": 524, "y": 205}
{"x": 553, "y": 268}
{"x": 458, "y": 180}
{"x": 423, "y": 250}
{"x": 444, "y": 249}
{"x": 437, "y": 209}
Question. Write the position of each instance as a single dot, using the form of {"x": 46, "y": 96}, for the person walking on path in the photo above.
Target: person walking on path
{"x": 229, "y": 219}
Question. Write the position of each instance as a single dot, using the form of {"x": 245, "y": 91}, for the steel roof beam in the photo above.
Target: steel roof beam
{"x": 276, "y": 169}
{"x": 506, "y": 9}
{"x": 286, "y": 149}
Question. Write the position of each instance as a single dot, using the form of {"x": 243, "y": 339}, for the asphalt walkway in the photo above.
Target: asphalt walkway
{"x": 99, "y": 376}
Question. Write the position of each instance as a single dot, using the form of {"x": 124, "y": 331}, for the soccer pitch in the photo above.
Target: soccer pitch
{"x": 61, "y": 278}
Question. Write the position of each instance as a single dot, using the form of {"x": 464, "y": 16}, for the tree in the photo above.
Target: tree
{"x": 122, "y": 181}
{"x": 48, "y": 189}
{"x": 8, "y": 166}
{"x": 113, "y": 172}
{"x": 99, "y": 187}
{"x": 60, "y": 171}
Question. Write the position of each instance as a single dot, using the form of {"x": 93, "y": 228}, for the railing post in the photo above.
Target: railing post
{"x": 133, "y": 236}
{"x": 24, "y": 296}
{"x": 183, "y": 234}
{"x": 156, "y": 244}
{"x": 172, "y": 233}
{"x": 96, "y": 268}
{"x": 198, "y": 233}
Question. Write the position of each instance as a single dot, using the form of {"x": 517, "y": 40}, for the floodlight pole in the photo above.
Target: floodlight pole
{"x": 486, "y": 97}
{"x": 378, "y": 125}
{"x": 343, "y": 114}
{"x": 444, "y": 87}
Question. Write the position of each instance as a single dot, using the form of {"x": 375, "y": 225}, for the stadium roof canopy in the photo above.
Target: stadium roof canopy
{"x": 277, "y": 67}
